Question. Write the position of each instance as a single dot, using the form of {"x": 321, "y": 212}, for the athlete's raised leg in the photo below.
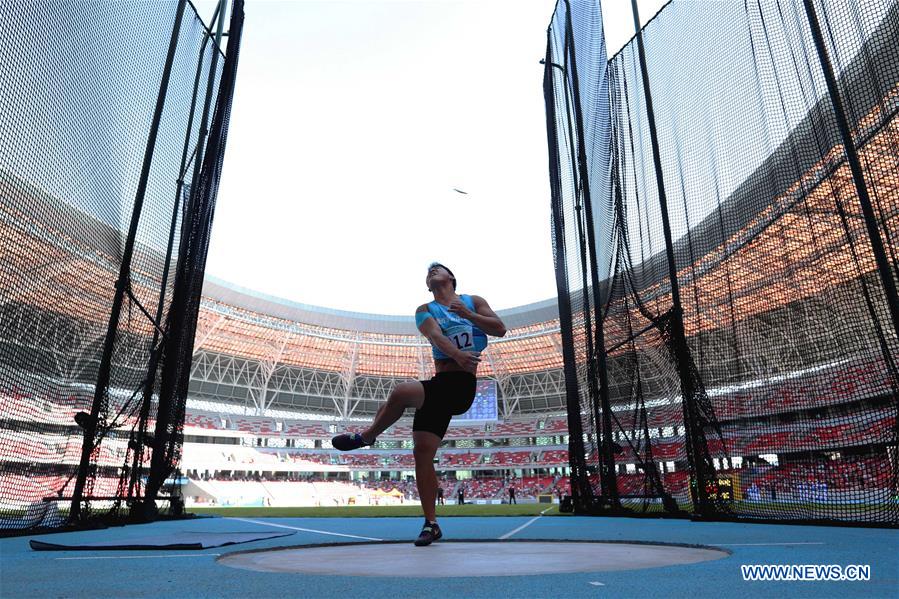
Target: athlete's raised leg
{"x": 404, "y": 395}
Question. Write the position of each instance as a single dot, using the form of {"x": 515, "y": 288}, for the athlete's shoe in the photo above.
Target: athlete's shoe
{"x": 429, "y": 533}
{"x": 349, "y": 442}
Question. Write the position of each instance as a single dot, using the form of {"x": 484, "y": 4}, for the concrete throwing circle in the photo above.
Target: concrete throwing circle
{"x": 450, "y": 559}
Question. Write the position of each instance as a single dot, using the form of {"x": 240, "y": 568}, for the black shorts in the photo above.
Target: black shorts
{"x": 447, "y": 394}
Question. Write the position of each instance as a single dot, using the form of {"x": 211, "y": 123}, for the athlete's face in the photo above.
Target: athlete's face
{"x": 436, "y": 275}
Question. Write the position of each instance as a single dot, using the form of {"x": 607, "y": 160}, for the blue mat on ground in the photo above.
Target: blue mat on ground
{"x": 178, "y": 540}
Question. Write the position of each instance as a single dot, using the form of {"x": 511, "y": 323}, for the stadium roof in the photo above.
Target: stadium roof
{"x": 248, "y": 299}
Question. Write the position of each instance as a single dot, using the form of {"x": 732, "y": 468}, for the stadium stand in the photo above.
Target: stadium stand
{"x": 272, "y": 381}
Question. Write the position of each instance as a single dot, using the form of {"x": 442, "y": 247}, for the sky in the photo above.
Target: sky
{"x": 353, "y": 124}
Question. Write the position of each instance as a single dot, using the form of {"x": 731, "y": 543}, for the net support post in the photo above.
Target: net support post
{"x": 582, "y": 494}
{"x": 204, "y": 119}
{"x": 136, "y": 473}
{"x": 694, "y": 439}
{"x": 124, "y": 279}
{"x": 597, "y": 367}
{"x": 157, "y": 475}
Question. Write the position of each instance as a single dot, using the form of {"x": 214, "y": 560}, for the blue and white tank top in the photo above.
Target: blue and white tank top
{"x": 461, "y": 331}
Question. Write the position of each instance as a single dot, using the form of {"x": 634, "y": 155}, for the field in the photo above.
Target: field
{"x": 385, "y": 511}
{"x": 760, "y": 510}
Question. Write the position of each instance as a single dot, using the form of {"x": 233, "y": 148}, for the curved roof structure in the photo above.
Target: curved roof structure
{"x": 228, "y": 293}
{"x": 268, "y": 353}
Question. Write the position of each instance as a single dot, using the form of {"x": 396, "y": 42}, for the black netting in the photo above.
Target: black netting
{"x": 772, "y": 393}
{"x": 101, "y": 107}
{"x": 195, "y": 236}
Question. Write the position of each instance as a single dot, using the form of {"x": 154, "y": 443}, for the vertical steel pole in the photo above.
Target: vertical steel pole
{"x": 580, "y": 489}
{"x": 204, "y": 120}
{"x": 163, "y": 418}
{"x": 678, "y": 332}
{"x": 136, "y": 469}
{"x": 124, "y": 280}
{"x": 597, "y": 361}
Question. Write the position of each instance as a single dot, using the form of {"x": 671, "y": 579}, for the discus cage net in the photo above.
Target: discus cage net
{"x": 725, "y": 211}
{"x": 113, "y": 120}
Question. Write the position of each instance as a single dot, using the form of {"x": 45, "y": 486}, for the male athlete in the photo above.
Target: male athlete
{"x": 457, "y": 327}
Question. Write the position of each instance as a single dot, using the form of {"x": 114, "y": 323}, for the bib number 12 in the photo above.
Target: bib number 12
{"x": 463, "y": 340}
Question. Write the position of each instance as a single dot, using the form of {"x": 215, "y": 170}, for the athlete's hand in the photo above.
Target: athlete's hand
{"x": 457, "y": 307}
{"x": 468, "y": 361}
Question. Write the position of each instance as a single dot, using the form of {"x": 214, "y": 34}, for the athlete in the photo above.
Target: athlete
{"x": 457, "y": 327}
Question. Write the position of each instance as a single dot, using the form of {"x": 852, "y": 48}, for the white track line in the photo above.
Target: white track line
{"x": 523, "y": 526}
{"x": 767, "y": 544}
{"x": 526, "y": 524}
{"x": 321, "y": 532}
{"x": 142, "y": 556}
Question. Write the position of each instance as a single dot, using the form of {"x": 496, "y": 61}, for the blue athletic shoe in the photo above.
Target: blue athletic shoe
{"x": 349, "y": 442}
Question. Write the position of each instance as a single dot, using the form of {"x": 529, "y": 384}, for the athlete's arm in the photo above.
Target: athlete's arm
{"x": 430, "y": 329}
{"x": 483, "y": 316}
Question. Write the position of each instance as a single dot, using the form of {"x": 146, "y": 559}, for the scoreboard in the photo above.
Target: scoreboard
{"x": 724, "y": 488}
{"x": 483, "y": 409}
